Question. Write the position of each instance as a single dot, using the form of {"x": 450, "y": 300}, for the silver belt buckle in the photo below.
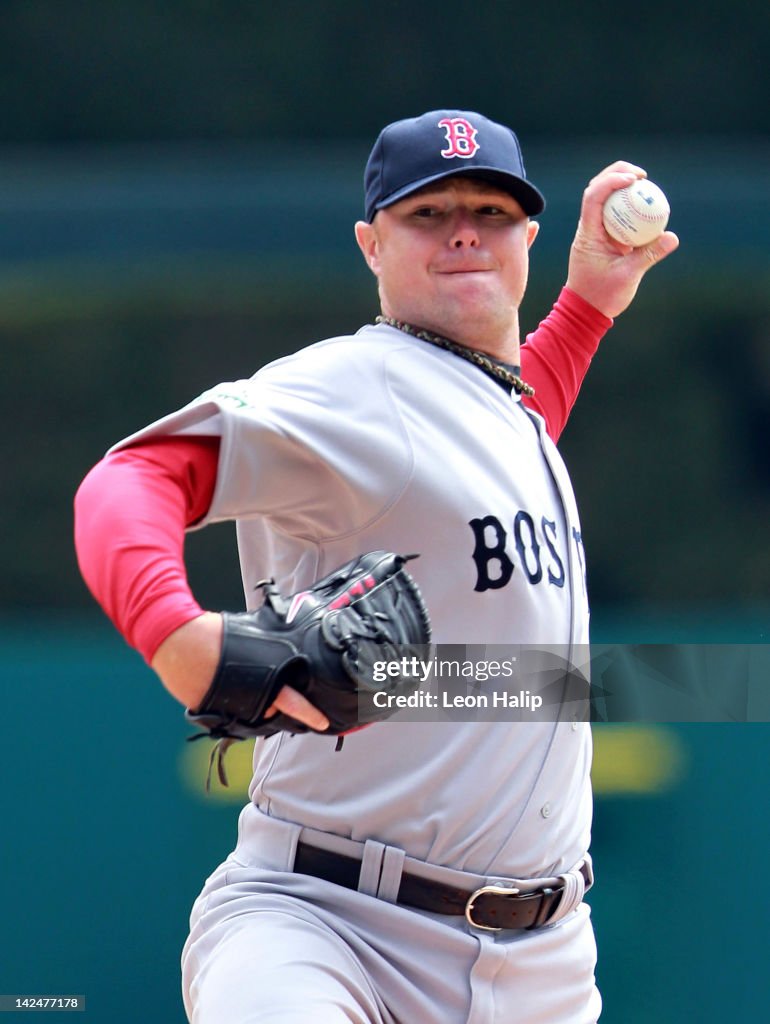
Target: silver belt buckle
{"x": 495, "y": 890}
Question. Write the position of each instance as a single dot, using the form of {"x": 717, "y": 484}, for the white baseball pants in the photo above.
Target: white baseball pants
{"x": 270, "y": 945}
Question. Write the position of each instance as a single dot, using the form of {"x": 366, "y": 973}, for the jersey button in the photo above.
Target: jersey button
{"x": 545, "y": 810}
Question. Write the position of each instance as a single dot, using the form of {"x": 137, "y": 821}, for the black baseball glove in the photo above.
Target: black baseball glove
{"x": 323, "y": 642}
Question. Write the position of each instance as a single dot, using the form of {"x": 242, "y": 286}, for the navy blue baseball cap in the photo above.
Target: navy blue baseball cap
{"x": 417, "y": 151}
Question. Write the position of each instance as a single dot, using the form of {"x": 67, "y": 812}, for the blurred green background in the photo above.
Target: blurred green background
{"x": 178, "y": 184}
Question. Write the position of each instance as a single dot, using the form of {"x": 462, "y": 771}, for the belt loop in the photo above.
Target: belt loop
{"x": 572, "y": 897}
{"x": 371, "y": 862}
{"x": 588, "y": 864}
{"x": 390, "y": 878}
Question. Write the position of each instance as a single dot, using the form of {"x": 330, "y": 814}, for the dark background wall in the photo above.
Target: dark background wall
{"x": 134, "y": 69}
{"x": 178, "y": 184}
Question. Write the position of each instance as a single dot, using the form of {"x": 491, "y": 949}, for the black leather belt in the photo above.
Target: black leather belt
{"x": 492, "y": 907}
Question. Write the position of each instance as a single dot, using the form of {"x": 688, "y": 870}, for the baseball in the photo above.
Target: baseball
{"x": 636, "y": 215}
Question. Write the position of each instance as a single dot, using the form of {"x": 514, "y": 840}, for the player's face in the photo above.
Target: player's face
{"x": 453, "y": 258}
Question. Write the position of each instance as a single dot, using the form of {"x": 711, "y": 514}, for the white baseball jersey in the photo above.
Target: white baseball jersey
{"x": 381, "y": 440}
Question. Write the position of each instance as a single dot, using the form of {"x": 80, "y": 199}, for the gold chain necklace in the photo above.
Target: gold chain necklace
{"x": 477, "y": 358}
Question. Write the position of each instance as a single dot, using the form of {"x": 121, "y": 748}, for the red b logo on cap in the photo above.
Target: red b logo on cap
{"x": 460, "y": 137}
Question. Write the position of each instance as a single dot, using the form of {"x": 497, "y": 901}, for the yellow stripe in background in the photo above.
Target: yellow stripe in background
{"x": 194, "y": 765}
{"x": 629, "y": 760}
{"x": 632, "y": 760}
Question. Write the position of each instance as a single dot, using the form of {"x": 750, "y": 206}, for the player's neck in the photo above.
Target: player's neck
{"x": 496, "y": 336}
{"x": 484, "y": 360}
{"x": 504, "y": 349}
{"x": 491, "y": 333}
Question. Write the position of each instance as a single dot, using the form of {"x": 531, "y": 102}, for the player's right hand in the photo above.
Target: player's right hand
{"x": 294, "y": 704}
{"x": 187, "y": 660}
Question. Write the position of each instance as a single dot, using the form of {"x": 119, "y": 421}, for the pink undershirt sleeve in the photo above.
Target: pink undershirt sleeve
{"x": 131, "y": 512}
{"x": 133, "y": 508}
{"x": 556, "y": 357}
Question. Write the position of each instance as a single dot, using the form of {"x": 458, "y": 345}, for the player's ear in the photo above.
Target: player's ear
{"x": 532, "y": 229}
{"x": 366, "y": 236}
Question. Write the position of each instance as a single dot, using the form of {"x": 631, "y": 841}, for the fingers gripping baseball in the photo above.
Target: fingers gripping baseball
{"x": 602, "y": 270}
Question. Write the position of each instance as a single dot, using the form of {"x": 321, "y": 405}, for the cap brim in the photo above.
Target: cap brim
{"x": 526, "y": 195}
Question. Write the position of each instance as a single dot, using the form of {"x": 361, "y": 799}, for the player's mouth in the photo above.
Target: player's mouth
{"x": 464, "y": 268}
{"x": 458, "y": 271}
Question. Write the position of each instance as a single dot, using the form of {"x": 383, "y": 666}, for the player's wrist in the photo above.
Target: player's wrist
{"x": 582, "y": 310}
{"x": 187, "y": 659}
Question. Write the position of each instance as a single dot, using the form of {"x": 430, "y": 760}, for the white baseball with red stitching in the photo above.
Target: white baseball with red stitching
{"x": 636, "y": 215}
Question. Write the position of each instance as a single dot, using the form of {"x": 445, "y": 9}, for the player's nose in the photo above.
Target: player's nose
{"x": 464, "y": 232}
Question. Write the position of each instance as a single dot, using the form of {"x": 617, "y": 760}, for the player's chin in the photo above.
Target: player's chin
{"x": 477, "y": 300}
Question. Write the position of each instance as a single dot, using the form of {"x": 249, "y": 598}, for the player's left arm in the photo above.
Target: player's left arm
{"x": 602, "y": 281}
{"x": 556, "y": 357}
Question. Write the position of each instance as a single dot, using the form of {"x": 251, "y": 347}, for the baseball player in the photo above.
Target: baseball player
{"x": 421, "y": 871}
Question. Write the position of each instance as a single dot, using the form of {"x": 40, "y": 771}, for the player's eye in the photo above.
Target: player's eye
{"x": 425, "y": 212}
